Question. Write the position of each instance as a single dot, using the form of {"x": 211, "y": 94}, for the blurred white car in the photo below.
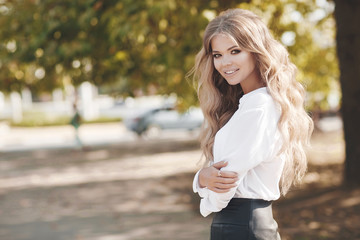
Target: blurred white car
{"x": 158, "y": 119}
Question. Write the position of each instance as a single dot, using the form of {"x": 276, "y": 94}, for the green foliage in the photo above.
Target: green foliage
{"x": 130, "y": 47}
{"x": 313, "y": 46}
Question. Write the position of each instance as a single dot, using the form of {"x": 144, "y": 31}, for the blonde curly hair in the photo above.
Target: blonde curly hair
{"x": 219, "y": 100}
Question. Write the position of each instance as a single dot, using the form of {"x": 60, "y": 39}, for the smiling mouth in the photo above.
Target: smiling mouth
{"x": 230, "y": 71}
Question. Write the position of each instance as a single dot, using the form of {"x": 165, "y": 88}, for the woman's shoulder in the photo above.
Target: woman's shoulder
{"x": 257, "y": 99}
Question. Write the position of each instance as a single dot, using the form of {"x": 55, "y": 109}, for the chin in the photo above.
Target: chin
{"x": 232, "y": 83}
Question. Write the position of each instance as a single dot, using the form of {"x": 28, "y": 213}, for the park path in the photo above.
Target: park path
{"x": 127, "y": 191}
{"x": 140, "y": 189}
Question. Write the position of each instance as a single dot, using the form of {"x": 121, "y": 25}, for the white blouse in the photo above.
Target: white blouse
{"x": 249, "y": 142}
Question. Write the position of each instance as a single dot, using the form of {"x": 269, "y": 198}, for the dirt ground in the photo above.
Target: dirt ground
{"x": 142, "y": 191}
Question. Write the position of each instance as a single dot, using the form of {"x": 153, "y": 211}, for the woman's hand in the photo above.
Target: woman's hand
{"x": 218, "y": 182}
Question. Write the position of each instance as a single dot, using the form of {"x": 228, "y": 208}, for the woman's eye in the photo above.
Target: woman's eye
{"x": 216, "y": 55}
{"x": 235, "y": 51}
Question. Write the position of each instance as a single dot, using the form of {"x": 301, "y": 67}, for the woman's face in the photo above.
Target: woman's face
{"x": 234, "y": 64}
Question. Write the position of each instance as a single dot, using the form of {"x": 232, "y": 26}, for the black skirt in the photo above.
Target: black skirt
{"x": 245, "y": 219}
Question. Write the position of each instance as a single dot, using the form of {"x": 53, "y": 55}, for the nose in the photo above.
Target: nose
{"x": 226, "y": 61}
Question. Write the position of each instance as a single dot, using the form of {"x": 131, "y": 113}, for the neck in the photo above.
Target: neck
{"x": 252, "y": 84}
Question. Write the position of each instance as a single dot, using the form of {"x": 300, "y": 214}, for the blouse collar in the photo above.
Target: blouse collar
{"x": 256, "y": 91}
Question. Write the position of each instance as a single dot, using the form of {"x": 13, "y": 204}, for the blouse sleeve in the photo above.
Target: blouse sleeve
{"x": 246, "y": 142}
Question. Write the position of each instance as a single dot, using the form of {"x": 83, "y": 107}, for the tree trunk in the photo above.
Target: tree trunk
{"x": 347, "y": 15}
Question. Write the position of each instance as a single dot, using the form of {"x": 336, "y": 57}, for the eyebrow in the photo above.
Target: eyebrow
{"x": 227, "y": 49}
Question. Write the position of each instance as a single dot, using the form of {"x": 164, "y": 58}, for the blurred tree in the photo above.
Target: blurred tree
{"x": 148, "y": 46}
{"x": 347, "y": 14}
{"x": 307, "y": 28}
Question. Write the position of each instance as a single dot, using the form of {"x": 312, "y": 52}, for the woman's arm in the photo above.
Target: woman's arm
{"x": 222, "y": 182}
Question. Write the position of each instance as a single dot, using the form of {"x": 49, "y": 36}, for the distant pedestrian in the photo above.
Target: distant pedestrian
{"x": 255, "y": 126}
{"x": 76, "y": 122}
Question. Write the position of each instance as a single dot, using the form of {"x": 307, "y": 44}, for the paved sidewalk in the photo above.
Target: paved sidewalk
{"x": 21, "y": 138}
{"x": 129, "y": 191}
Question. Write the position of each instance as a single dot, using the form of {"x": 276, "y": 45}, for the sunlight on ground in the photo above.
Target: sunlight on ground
{"x": 327, "y": 148}
{"x": 157, "y": 165}
{"x": 143, "y": 191}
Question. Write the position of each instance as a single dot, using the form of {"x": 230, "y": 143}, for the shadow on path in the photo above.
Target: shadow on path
{"x": 142, "y": 190}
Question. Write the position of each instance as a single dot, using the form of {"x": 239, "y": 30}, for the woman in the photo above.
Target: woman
{"x": 255, "y": 126}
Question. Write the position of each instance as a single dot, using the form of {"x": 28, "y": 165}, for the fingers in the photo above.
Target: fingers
{"x": 222, "y": 187}
{"x": 226, "y": 180}
{"x": 224, "y": 174}
{"x": 220, "y": 165}
{"x": 225, "y": 186}
{"x": 219, "y": 190}
{"x": 227, "y": 174}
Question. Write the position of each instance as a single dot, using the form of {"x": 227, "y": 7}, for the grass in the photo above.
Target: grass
{"x": 40, "y": 119}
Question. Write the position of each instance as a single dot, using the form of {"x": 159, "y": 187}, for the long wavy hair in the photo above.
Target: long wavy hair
{"x": 219, "y": 100}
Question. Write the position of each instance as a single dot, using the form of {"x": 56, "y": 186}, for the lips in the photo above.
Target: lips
{"x": 229, "y": 72}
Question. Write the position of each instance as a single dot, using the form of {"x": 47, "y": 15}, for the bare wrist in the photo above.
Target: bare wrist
{"x": 200, "y": 180}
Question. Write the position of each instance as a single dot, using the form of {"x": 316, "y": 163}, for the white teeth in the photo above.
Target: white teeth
{"x": 229, "y": 72}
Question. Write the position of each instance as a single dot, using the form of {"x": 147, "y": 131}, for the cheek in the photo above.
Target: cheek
{"x": 217, "y": 65}
{"x": 252, "y": 62}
